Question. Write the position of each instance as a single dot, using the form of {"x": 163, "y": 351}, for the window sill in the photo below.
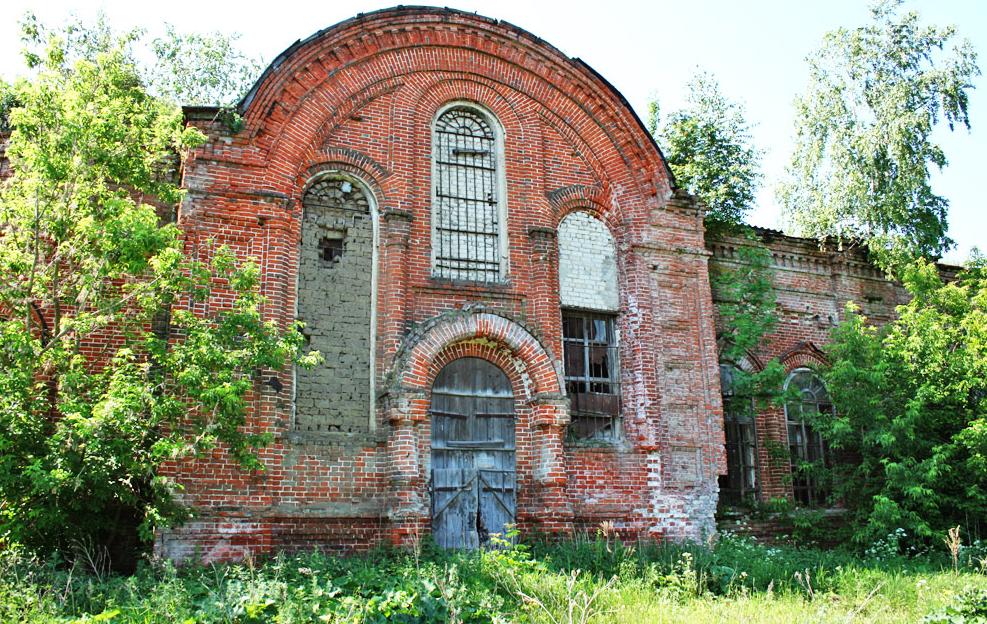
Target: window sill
{"x": 611, "y": 446}
{"x": 448, "y": 282}
{"x": 333, "y": 438}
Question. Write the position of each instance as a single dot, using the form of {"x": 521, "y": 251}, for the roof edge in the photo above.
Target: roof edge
{"x": 198, "y": 111}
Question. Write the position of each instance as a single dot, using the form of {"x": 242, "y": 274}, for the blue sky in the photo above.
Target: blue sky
{"x": 756, "y": 48}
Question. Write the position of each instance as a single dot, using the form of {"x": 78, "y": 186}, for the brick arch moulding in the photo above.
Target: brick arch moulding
{"x": 319, "y": 78}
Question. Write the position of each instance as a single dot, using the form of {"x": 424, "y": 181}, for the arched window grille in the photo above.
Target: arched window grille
{"x": 808, "y": 450}
{"x": 467, "y": 196}
{"x": 739, "y": 427}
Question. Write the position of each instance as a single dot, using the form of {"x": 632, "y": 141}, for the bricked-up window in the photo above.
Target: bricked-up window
{"x": 807, "y": 448}
{"x": 467, "y": 215}
{"x": 587, "y": 263}
{"x": 739, "y": 484}
{"x": 592, "y": 374}
{"x": 336, "y": 303}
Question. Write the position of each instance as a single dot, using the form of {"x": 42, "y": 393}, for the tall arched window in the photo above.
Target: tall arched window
{"x": 740, "y": 483}
{"x": 336, "y": 301}
{"x": 468, "y": 214}
{"x": 588, "y": 293}
{"x": 806, "y": 445}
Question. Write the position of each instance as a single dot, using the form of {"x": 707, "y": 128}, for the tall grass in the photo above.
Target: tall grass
{"x": 579, "y": 581}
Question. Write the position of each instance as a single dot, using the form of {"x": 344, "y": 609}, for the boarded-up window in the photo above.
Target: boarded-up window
{"x": 467, "y": 197}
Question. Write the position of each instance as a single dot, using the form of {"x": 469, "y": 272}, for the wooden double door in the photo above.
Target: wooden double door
{"x": 473, "y": 480}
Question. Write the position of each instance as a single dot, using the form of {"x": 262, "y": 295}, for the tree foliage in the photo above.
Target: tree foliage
{"x": 747, "y": 313}
{"x": 912, "y": 408}
{"x": 195, "y": 69}
{"x": 865, "y": 142}
{"x": 105, "y": 371}
{"x": 709, "y": 150}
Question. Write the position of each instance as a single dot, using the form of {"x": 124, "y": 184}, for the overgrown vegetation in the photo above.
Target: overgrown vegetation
{"x": 709, "y": 149}
{"x": 600, "y": 580}
{"x": 912, "y": 411}
{"x": 105, "y": 371}
{"x": 747, "y": 314}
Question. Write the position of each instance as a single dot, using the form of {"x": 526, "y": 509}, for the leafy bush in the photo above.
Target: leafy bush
{"x": 88, "y": 259}
{"x": 970, "y": 607}
{"x": 911, "y": 400}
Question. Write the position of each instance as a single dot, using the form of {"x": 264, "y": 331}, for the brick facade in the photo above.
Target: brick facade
{"x": 586, "y": 215}
{"x": 812, "y": 287}
{"x": 359, "y": 102}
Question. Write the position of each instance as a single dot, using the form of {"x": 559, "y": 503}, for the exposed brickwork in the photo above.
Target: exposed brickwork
{"x": 588, "y": 203}
{"x": 812, "y": 288}
{"x": 587, "y": 217}
{"x": 362, "y": 98}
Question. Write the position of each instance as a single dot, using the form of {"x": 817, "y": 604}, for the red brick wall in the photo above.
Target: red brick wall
{"x": 4, "y": 161}
{"x": 812, "y": 287}
{"x": 360, "y": 98}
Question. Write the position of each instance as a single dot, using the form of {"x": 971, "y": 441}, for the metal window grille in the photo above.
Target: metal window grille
{"x": 806, "y": 445}
{"x": 592, "y": 375}
{"x": 741, "y": 481}
{"x": 467, "y": 200}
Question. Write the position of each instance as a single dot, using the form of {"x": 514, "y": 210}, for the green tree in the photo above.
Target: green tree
{"x": 195, "y": 69}
{"x": 105, "y": 373}
{"x": 911, "y": 404}
{"x": 746, "y": 310}
{"x": 709, "y": 150}
{"x": 864, "y": 135}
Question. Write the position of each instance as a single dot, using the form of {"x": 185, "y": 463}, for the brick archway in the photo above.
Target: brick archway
{"x": 534, "y": 363}
{"x": 803, "y": 355}
{"x": 541, "y": 406}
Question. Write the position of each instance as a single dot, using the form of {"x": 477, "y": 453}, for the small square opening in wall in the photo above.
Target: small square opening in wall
{"x": 331, "y": 248}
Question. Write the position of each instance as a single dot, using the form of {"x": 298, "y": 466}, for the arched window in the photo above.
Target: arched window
{"x": 588, "y": 290}
{"x": 805, "y": 444}
{"x": 336, "y": 301}
{"x": 468, "y": 214}
{"x": 740, "y": 482}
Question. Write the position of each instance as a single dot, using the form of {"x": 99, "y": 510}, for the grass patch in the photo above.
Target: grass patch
{"x": 575, "y": 581}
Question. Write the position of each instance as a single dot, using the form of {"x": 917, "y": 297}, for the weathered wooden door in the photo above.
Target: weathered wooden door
{"x": 473, "y": 474}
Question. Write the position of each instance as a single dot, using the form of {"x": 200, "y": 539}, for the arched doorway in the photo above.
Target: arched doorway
{"x": 473, "y": 461}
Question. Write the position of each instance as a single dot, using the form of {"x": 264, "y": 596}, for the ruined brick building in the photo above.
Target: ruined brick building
{"x": 511, "y": 296}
